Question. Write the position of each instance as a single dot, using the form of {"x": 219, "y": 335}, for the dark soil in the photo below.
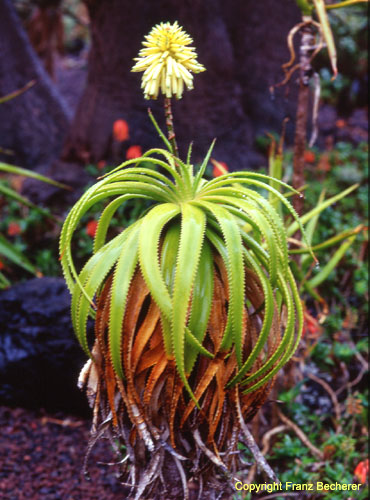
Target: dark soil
{"x": 41, "y": 458}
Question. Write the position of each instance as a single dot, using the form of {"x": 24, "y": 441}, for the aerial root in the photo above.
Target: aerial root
{"x": 103, "y": 427}
{"x": 183, "y": 477}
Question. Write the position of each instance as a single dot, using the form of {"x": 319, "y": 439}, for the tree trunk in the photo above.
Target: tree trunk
{"x": 242, "y": 45}
{"x": 32, "y": 125}
{"x": 300, "y": 139}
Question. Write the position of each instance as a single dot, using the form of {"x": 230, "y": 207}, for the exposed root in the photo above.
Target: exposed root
{"x": 209, "y": 453}
{"x": 93, "y": 440}
{"x": 149, "y": 473}
{"x": 183, "y": 477}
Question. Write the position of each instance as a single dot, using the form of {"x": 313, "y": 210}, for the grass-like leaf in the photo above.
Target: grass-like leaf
{"x": 9, "y": 251}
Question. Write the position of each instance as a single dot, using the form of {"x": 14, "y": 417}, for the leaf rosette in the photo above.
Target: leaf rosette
{"x": 196, "y": 234}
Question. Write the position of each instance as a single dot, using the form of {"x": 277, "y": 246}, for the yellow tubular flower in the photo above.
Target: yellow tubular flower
{"x": 167, "y": 61}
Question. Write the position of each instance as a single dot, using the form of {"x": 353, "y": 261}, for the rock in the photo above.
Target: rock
{"x": 326, "y": 119}
{"x": 32, "y": 125}
{"x": 55, "y": 198}
{"x": 359, "y": 118}
{"x": 40, "y": 357}
{"x": 352, "y": 129}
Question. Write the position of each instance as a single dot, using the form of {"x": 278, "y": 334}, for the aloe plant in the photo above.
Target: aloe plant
{"x": 195, "y": 307}
{"x": 188, "y": 301}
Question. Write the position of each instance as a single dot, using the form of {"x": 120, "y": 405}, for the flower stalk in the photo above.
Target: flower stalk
{"x": 170, "y": 126}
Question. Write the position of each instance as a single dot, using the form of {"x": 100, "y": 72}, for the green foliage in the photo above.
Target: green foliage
{"x": 31, "y": 238}
{"x": 305, "y": 6}
{"x": 34, "y": 247}
{"x": 19, "y": 217}
{"x": 350, "y": 33}
{"x": 346, "y": 164}
{"x": 342, "y": 342}
{"x": 321, "y": 354}
{"x": 294, "y": 462}
{"x": 335, "y": 218}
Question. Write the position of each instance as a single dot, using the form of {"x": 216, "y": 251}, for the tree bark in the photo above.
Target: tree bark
{"x": 240, "y": 45}
{"x": 34, "y": 124}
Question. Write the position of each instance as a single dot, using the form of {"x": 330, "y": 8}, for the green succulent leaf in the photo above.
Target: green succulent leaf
{"x": 106, "y": 217}
{"x": 194, "y": 342}
{"x": 235, "y": 269}
{"x": 201, "y": 303}
{"x": 89, "y": 282}
{"x": 193, "y": 221}
{"x": 290, "y": 344}
{"x": 268, "y": 311}
{"x": 122, "y": 277}
{"x": 170, "y": 247}
{"x": 203, "y": 167}
{"x": 152, "y": 227}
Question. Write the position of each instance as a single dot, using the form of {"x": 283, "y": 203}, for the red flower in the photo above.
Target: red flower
{"x": 2, "y": 265}
{"x": 101, "y": 164}
{"x": 309, "y": 156}
{"x": 91, "y": 228}
{"x": 219, "y": 168}
{"x": 14, "y": 229}
{"x": 340, "y": 123}
{"x": 362, "y": 471}
{"x": 133, "y": 152}
{"x": 120, "y": 130}
{"x": 311, "y": 325}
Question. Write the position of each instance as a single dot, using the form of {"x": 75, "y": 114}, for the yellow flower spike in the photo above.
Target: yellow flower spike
{"x": 167, "y": 61}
